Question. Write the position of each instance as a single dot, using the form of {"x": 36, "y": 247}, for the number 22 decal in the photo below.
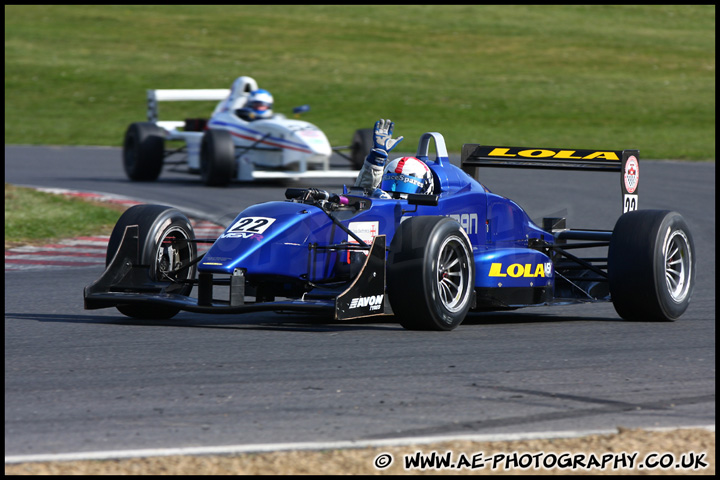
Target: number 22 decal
{"x": 252, "y": 224}
{"x": 630, "y": 203}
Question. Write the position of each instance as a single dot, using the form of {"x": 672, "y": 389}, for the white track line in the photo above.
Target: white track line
{"x": 276, "y": 447}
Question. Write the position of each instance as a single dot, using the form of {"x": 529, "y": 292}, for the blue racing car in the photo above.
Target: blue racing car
{"x": 426, "y": 259}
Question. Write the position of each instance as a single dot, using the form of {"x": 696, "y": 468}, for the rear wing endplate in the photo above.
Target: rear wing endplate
{"x": 624, "y": 161}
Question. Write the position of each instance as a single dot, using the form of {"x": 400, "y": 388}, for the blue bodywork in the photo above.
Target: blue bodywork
{"x": 350, "y": 254}
{"x": 278, "y": 249}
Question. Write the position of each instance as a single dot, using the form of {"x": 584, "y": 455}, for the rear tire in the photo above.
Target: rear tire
{"x": 162, "y": 231}
{"x": 143, "y": 151}
{"x": 431, "y": 274}
{"x": 651, "y": 265}
{"x": 217, "y": 158}
{"x": 361, "y": 145}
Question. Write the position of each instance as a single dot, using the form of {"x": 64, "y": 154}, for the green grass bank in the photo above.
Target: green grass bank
{"x": 593, "y": 76}
{"x": 32, "y": 217}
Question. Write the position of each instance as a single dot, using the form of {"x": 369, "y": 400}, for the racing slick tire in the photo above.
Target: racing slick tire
{"x": 160, "y": 227}
{"x": 360, "y": 146}
{"x": 143, "y": 151}
{"x": 217, "y": 158}
{"x": 431, "y": 274}
{"x": 651, "y": 265}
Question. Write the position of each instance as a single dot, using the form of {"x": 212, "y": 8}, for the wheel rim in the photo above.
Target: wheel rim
{"x": 453, "y": 274}
{"x": 677, "y": 265}
{"x": 172, "y": 252}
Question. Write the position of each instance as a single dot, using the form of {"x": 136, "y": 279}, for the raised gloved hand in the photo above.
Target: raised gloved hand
{"x": 382, "y": 142}
{"x": 382, "y": 137}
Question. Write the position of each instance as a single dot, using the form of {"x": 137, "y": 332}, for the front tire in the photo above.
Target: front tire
{"x": 165, "y": 239}
{"x": 217, "y": 158}
{"x": 143, "y": 151}
{"x": 651, "y": 265}
{"x": 431, "y": 274}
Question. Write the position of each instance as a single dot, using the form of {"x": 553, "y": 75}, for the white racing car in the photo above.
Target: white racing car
{"x": 228, "y": 146}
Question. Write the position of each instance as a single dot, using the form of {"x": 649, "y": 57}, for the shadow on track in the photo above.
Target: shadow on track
{"x": 296, "y": 322}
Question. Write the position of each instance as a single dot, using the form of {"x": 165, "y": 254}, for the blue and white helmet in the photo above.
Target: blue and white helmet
{"x": 407, "y": 175}
{"x": 261, "y": 103}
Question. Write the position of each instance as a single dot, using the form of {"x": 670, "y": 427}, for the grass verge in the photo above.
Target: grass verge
{"x": 33, "y": 217}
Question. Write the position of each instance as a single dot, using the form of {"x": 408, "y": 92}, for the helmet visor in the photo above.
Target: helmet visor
{"x": 260, "y": 106}
{"x": 398, "y": 182}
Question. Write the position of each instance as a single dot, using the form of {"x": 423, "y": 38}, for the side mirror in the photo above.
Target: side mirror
{"x": 291, "y": 193}
{"x": 301, "y": 109}
{"x": 420, "y": 199}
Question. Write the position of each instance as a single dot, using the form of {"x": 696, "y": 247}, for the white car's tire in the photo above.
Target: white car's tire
{"x": 217, "y": 158}
{"x": 360, "y": 146}
{"x": 143, "y": 151}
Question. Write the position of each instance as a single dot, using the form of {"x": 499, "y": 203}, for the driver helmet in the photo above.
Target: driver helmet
{"x": 407, "y": 175}
{"x": 261, "y": 103}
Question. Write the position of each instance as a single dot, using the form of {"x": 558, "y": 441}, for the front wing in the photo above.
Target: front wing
{"x": 127, "y": 282}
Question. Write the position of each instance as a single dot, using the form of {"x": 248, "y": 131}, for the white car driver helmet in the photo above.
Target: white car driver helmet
{"x": 261, "y": 103}
{"x": 407, "y": 175}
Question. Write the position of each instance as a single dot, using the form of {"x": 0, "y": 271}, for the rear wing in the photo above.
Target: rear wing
{"x": 179, "y": 95}
{"x": 241, "y": 87}
{"x": 624, "y": 161}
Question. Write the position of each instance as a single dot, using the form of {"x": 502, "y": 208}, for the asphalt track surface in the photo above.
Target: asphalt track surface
{"x": 88, "y": 381}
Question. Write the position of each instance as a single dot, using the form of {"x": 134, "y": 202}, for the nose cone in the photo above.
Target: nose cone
{"x": 315, "y": 140}
{"x": 267, "y": 239}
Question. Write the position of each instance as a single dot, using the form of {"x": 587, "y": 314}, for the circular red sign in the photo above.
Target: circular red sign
{"x": 631, "y": 174}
